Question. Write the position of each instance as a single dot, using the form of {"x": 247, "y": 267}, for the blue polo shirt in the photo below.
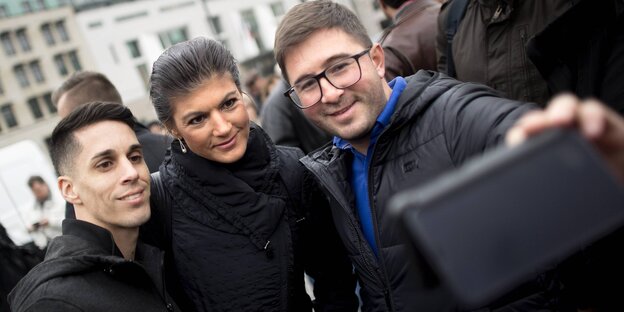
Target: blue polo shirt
{"x": 361, "y": 163}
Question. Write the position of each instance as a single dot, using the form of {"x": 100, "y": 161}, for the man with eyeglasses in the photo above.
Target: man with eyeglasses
{"x": 386, "y": 136}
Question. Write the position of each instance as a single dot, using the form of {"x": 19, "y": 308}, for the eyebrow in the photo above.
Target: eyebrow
{"x": 111, "y": 152}
{"x": 135, "y": 147}
{"x": 328, "y": 62}
{"x": 189, "y": 115}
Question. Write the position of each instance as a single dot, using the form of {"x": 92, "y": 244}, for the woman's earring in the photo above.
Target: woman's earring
{"x": 182, "y": 147}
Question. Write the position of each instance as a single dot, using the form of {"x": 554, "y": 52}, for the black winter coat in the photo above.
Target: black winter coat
{"x": 581, "y": 52}
{"x": 437, "y": 124}
{"x": 85, "y": 271}
{"x": 243, "y": 233}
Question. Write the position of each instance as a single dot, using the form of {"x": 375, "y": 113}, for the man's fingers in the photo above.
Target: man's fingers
{"x": 562, "y": 110}
{"x": 592, "y": 119}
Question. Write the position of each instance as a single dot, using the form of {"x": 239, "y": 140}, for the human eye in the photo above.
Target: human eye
{"x": 196, "y": 120}
{"x": 340, "y": 67}
{"x": 104, "y": 165}
{"x": 306, "y": 85}
{"x": 136, "y": 157}
{"x": 229, "y": 104}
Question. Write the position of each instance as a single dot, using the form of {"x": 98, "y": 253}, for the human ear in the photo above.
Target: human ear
{"x": 66, "y": 186}
{"x": 378, "y": 58}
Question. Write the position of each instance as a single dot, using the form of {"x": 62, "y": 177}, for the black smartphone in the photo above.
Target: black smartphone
{"x": 502, "y": 218}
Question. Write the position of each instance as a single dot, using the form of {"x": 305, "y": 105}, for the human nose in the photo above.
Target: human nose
{"x": 130, "y": 171}
{"x": 329, "y": 93}
{"x": 220, "y": 124}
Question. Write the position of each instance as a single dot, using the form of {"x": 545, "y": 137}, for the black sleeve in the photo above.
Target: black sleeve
{"x": 476, "y": 118}
{"x": 326, "y": 258}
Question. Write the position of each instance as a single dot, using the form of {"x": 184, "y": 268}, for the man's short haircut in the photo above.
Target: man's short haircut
{"x": 35, "y": 179}
{"x": 306, "y": 18}
{"x": 87, "y": 86}
{"x": 65, "y": 147}
{"x": 395, "y": 4}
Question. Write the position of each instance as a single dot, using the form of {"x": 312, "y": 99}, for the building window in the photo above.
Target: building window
{"x": 36, "y": 71}
{"x": 47, "y": 34}
{"x": 47, "y": 99}
{"x": 133, "y": 48}
{"x": 59, "y": 61}
{"x": 60, "y": 28}
{"x": 171, "y": 37}
{"x": 74, "y": 60}
{"x": 20, "y": 73}
{"x": 22, "y": 38}
{"x": 26, "y": 8}
{"x": 252, "y": 26}
{"x": 8, "y": 115}
{"x": 3, "y": 11}
{"x": 41, "y": 5}
{"x": 277, "y": 8}
{"x": 215, "y": 21}
{"x": 144, "y": 73}
{"x": 35, "y": 109}
{"x": 7, "y": 43}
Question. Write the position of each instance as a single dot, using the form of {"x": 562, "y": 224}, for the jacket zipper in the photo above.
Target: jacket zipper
{"x": 367, "y": 266}
{"x": 528, "y": 90}
{"x": 382, "y": 266}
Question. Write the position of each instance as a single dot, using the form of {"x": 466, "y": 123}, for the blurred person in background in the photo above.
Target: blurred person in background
{"x": 157, "y": 128}
{"x": 489, "y": 43}
{"x": 410, "y": 41}
{"x": 44, "y": 218}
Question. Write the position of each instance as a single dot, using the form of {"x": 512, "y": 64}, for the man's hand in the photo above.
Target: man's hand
{"x": 596, "y": 122}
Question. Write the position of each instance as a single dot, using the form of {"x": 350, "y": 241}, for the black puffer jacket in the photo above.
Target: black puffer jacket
{"x": 84, "y": 271}
{"x": 437, "y": 124}
{"x": 242, "y": 233}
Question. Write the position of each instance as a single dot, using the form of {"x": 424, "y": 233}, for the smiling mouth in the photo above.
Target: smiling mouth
{"x": 341, "y": 111}
{"x": 132, "y": 196}
{"x": 226, "y": 142}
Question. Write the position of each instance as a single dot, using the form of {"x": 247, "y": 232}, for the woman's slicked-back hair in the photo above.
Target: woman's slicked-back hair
{"x": 183, "y": 67}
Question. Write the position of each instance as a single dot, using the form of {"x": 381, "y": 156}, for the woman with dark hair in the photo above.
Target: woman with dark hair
{"x": 241, "y": 211}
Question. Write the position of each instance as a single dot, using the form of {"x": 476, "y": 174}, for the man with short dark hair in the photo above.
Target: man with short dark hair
{"x": 87, "y": 86}
{"x": 386, "y": 136}
{"x": 97, "y": 264}
{"x": 83, "y": 87}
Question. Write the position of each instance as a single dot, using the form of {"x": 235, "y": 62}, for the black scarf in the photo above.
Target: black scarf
{"x": 247, "y": 194}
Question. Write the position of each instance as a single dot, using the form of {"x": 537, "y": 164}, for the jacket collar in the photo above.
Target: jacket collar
{"x": 96, "y": 236}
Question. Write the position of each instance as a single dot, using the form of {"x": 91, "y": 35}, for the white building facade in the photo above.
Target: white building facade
{"x": 38, "y": 52}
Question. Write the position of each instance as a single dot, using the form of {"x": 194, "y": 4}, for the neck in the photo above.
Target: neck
{"x": 124, "y": 237}
{"x": 126, "y": 240}
{"x": 361, "y": 145}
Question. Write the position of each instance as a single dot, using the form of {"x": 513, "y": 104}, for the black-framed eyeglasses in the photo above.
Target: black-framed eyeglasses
{"x": 341, "y": 75}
